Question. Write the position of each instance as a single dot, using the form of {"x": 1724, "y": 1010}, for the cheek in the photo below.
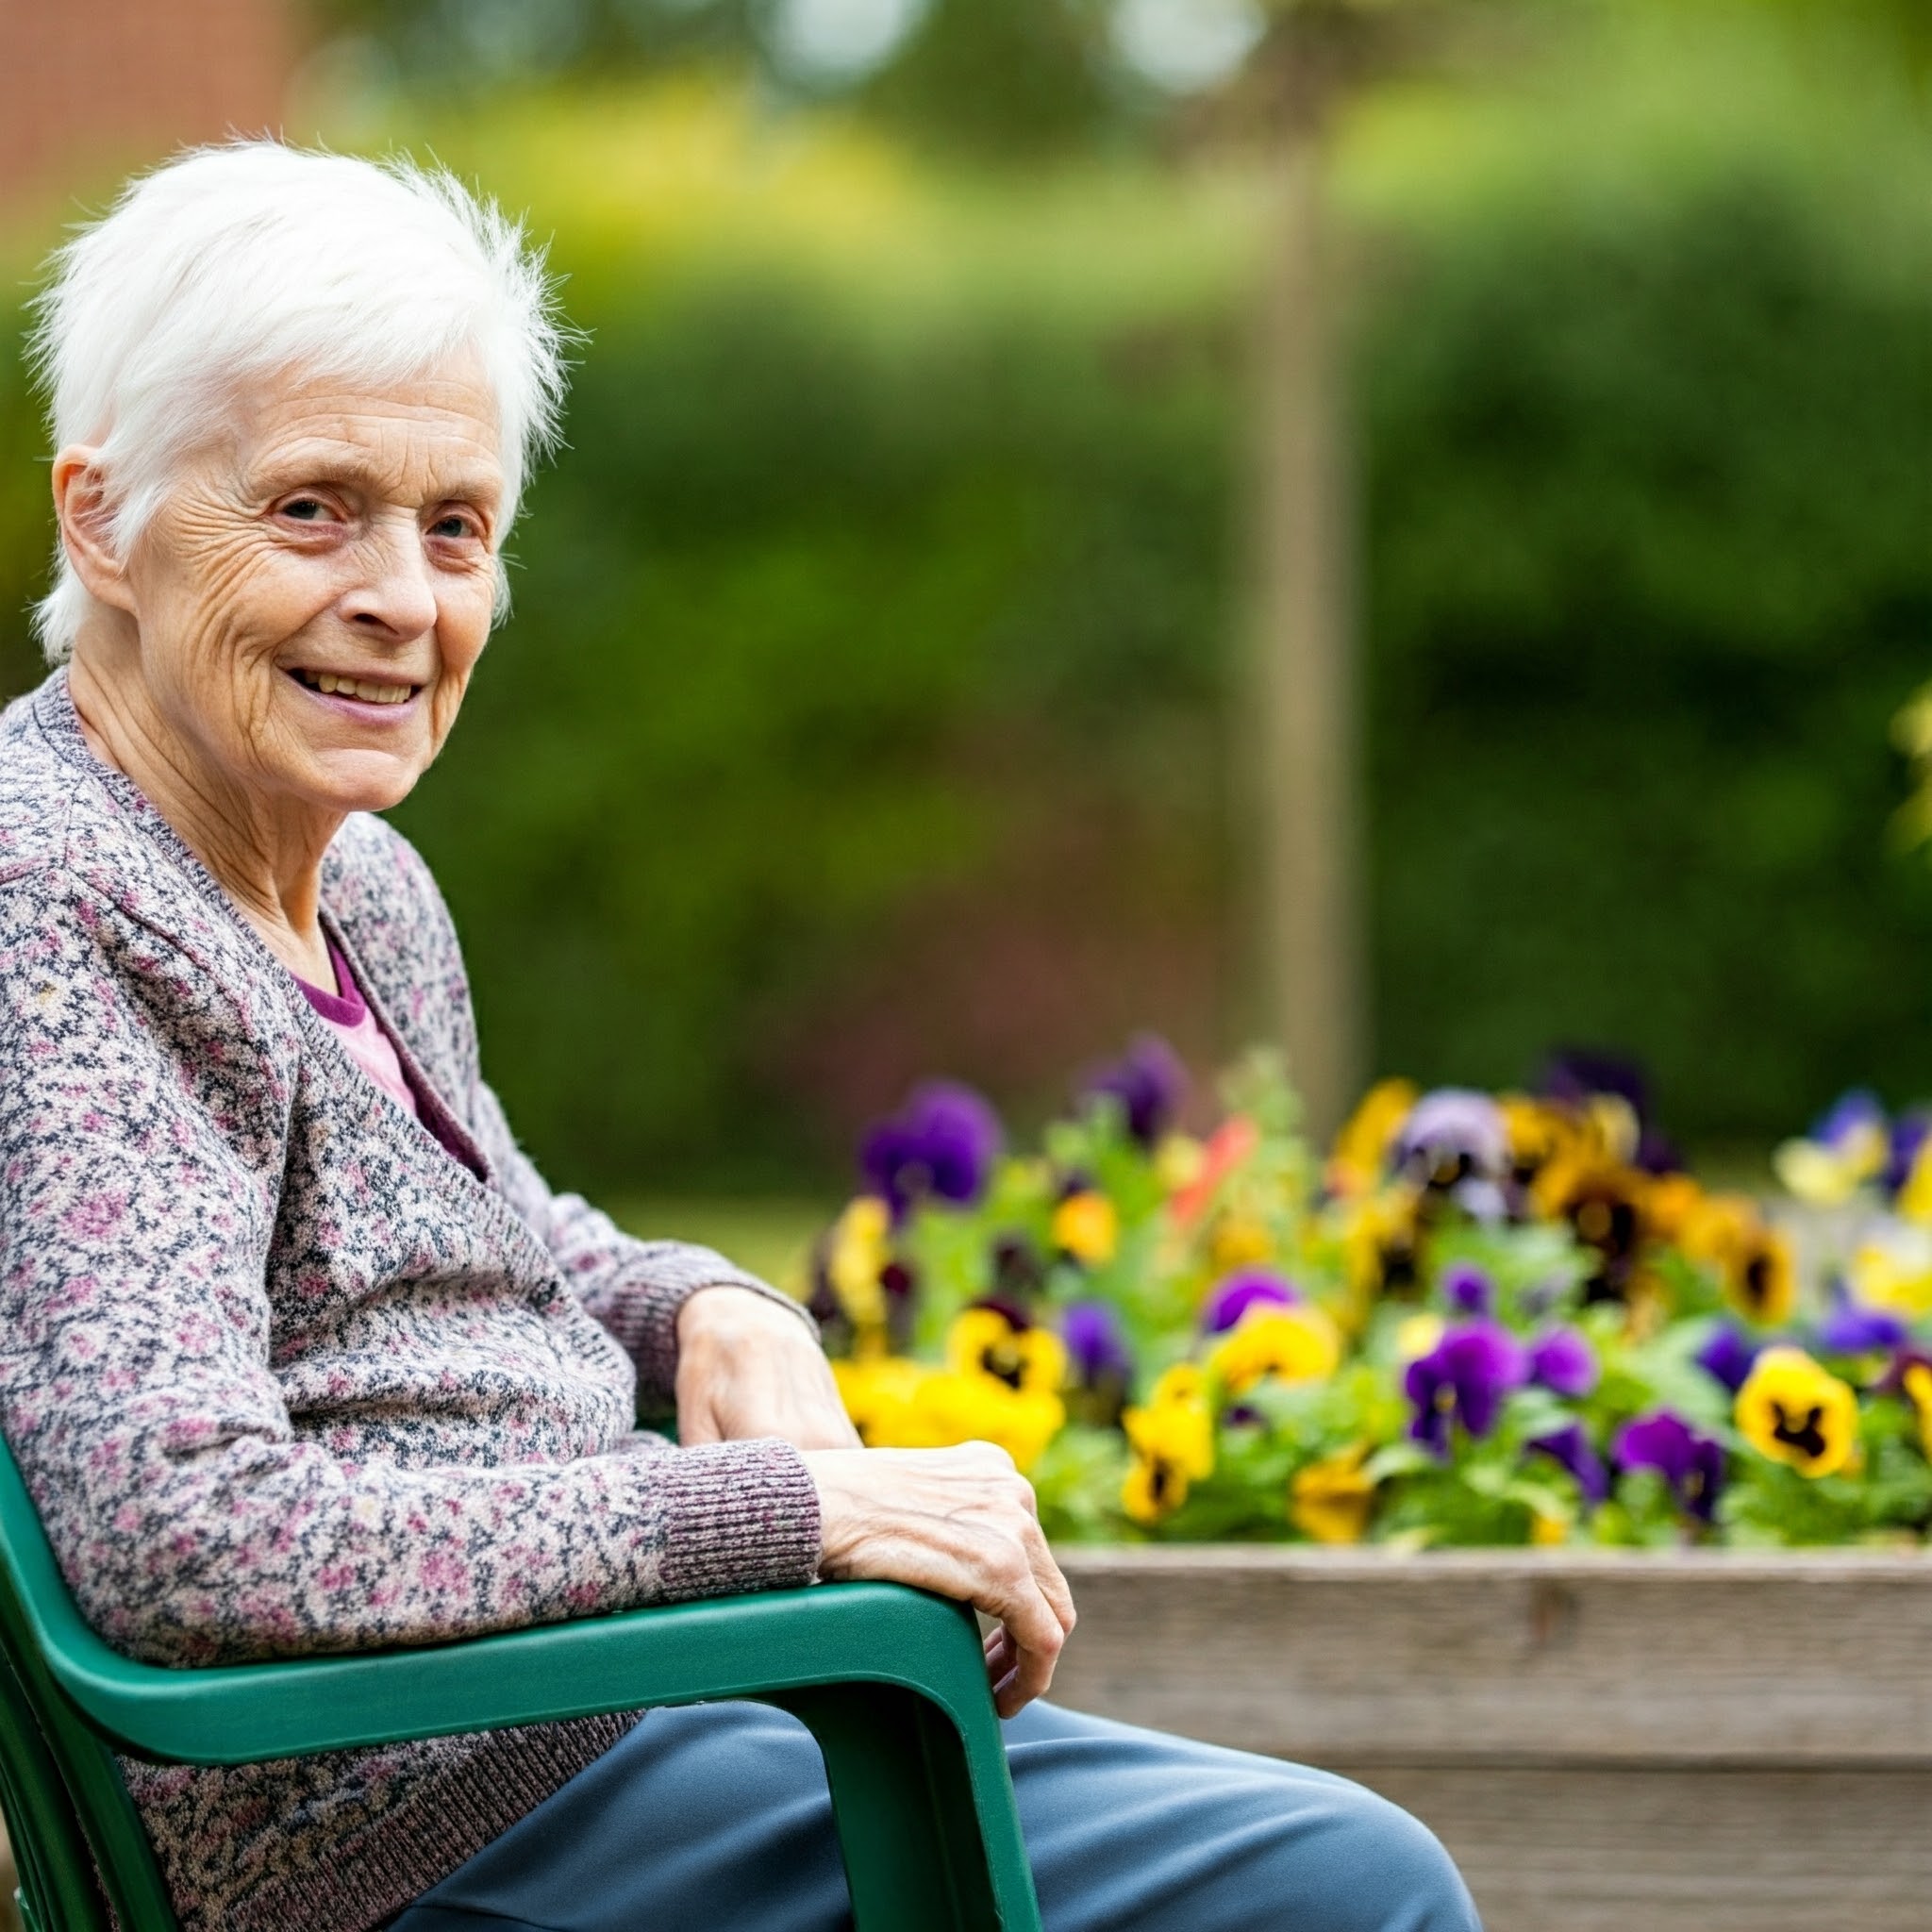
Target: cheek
{"x": 462, "y": 629}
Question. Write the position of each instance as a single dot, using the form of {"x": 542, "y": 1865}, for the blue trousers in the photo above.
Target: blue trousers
{"x": 715, "y": 1818}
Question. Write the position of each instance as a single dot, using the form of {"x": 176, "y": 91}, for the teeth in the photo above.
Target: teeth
{"x": 366, "y": 689}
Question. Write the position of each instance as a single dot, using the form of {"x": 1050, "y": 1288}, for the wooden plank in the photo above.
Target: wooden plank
{"x": 1559, "y": 1657}
{"x": 1675, "y": 1850}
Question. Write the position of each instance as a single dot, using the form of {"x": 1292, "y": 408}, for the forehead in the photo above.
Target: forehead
{"x": 437, "y": 432}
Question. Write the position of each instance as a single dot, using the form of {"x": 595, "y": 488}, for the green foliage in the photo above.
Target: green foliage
{"x": 870, "y": 709}
{"x": 1649, "y": 578}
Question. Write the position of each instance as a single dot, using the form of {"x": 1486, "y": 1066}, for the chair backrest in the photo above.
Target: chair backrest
{"x": 85, "y": 1863}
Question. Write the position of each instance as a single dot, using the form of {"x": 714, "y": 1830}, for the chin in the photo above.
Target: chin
{"x": 362, "y": 780}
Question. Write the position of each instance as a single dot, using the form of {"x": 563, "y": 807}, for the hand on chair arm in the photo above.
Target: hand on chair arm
{"x": 961, "y": 1522}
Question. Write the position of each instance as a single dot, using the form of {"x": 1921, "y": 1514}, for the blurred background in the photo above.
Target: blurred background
{"x": 1397, "y": 528}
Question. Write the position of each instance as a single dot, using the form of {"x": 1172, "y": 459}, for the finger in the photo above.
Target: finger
{"x": 1054, "y": 1586}
{"x": 1035, "y": 1634}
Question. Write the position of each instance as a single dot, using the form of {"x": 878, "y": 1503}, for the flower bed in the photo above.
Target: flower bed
{"x": 1684, "y": 1740}
{"x": 1475, "y": 1320}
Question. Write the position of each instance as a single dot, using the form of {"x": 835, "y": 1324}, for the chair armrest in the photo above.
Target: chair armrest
{"x": 742, "y": 1646}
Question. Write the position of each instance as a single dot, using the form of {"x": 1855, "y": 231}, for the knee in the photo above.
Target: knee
{"x": 1389, "y": 1871}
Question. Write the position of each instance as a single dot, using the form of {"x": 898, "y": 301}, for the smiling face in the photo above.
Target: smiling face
{"x": 314, "y": 591}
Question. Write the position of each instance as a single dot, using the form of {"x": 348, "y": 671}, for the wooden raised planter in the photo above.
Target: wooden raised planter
{"x": 1608, "y": 1741}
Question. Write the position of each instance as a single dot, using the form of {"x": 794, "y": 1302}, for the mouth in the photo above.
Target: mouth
{"x": 381, "y": 693}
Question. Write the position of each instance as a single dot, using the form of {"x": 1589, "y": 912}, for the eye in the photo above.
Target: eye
{"x": 305, "y": 509}
{"x": 452, "y": 525}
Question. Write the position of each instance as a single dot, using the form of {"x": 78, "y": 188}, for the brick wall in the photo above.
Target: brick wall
{"x": 91, "y": 88}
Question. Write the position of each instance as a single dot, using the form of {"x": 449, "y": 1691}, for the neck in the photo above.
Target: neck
{"x": 265, "y": 852}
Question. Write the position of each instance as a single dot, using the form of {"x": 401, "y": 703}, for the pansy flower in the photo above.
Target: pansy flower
{"x": 1562, "y": 1360}
{"x": 1359, "y": 1160}
{"x": 1571, "y": 1447}
{"x": 1848, "y": 1147}
{"x": 1467, "y": 1289}
{"x": 1231, "y": 1298}
{"x": 1754, "y": 1264}
{"x": 941, "y": 1146}
{"x": 1454, "y": 1145}
{"x": 993, "y": 1338}
{"x": 1148, "y": 1083}
{"x": 1087, "y": 1227}
{"x": 1462, "y": 1381}
{"x": 1330, "y": 1500}
{"x": 1171, "y": 1436}
{"x": 1691, "y": 1463}
{"x": 1727, "y": 1357}
{"x": 852, "y": 1262}
{"x": 1915, "y": 1383}
{"x": 1796, "y": 1412}
{"x": 1851, "y": 1328}
{"x": 1291, "y": 1344}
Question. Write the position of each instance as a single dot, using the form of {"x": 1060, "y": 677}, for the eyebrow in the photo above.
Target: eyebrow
{"x": 325, "y": 461}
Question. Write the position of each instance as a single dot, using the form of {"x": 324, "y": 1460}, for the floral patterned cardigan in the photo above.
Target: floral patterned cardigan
{"x": 284, "y": 1375}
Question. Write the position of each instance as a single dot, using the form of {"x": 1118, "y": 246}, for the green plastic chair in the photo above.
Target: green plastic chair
{"x": 889, "y": 1680}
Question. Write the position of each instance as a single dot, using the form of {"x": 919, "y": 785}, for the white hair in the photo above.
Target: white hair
{"x": 234, "y": 263}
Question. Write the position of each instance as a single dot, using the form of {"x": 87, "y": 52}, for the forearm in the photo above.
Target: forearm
{"x": 262, "y": 1547}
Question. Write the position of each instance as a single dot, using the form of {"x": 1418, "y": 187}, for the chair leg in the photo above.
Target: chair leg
{"x": 918, "y": 1854}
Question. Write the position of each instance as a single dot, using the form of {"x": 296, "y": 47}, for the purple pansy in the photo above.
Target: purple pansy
{"x": 942, "y": 1143}
{"x": 1727, "y": 1356}
{"x": 1908, "y": 1135}
{"x": 1692, "y": 1464}
{"x": 1576, "y": 1075}
{"x": 1233, "y": 1297}
{"x": 1570, "y": 1447}
{"x": 1095, "y": 1345}
{"x": 1850, "y": 1329}
{"x": 1462, "y": 1380}
{"x": 1563, "y": 1361}
{"x": 1149, "y": 1082}
{"x": 1467, "y": 1289}
{"x": 1848, "y": 1121}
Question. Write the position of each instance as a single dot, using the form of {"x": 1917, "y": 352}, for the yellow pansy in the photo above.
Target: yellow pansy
{"x": 988, "y": 1341}
{"x": 1360, "y": 1154}
{"x": 879, "y": 1396}
{"x": 1918, "y": 1388}
{"x": 1380, "y": 1236}
{"x": 1295, "y": 1344}
{"x": 1794, "y": 1411}
{"x": 1087, "y": 1225}
{"x": 949, "y": 1406}
{"x": 1173, "y": 1439}
{"x": 1331, "y": 1500}
{"x": 1829, "y": 1176}
{"x": 1915, "y": 1196}
{"x": 1754, "y": 1263}
{"x": 856, "y": 1257}
{"x": 1894, "y": 1271}
{"x": 1239, "y": 1240}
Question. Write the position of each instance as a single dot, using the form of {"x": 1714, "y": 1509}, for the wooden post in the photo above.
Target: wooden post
{"x": 1303, "y": 728}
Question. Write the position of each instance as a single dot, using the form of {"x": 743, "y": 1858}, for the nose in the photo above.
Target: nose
{"x": 394, "y": 597}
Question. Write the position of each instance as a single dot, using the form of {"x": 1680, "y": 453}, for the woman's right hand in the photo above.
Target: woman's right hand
{"x": 961, "y": 1522}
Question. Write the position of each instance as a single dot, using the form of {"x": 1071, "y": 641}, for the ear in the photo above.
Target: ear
{"x": 87, "y": 527}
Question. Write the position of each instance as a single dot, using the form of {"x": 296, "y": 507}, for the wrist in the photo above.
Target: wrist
{"x": 726, "y": 1307}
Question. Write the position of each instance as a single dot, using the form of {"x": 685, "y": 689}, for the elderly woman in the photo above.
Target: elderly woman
{"x": 298, "y": 1352}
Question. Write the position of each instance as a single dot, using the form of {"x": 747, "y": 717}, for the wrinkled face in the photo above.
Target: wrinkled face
{"x": 316, "y": 588}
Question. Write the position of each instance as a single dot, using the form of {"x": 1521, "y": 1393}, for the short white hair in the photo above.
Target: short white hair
{"x": 233, "y": 263}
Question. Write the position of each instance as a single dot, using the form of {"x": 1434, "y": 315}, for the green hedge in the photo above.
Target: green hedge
{"x": 867, "y": 710}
